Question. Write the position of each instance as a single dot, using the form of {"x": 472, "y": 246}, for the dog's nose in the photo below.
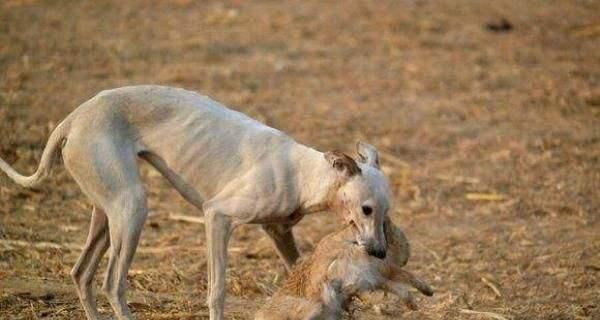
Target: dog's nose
{"x": 380, "y": 254}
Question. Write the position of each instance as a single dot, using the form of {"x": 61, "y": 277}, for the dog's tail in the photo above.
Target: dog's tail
{"x": 53, "y": 146}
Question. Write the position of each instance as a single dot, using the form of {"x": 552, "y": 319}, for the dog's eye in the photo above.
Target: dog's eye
{"x": 367, "y": 210}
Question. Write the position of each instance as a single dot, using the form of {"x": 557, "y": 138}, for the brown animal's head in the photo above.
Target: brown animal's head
{"x": 362, "y": 197}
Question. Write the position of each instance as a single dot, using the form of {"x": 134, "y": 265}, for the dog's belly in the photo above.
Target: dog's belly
{"x": 204, "y": 143}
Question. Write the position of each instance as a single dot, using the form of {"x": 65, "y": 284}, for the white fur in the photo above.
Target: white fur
{"x": 235, "y": 169}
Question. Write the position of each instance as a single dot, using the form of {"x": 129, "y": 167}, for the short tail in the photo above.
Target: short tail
{"x": 49, "y": 155}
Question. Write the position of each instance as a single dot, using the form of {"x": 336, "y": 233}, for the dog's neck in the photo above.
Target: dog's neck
{"x": 316, "y": 178}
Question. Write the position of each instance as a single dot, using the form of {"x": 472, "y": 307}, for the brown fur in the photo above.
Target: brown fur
{"x": 308, "y": 279}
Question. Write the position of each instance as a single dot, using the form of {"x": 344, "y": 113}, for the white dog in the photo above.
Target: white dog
{"x": 233, "y": 168}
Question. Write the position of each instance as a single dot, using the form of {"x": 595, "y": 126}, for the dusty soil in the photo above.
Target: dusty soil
{"x": 490, "y": 137}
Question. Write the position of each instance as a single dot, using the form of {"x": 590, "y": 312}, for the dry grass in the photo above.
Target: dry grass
{"x": 492, "y": 142}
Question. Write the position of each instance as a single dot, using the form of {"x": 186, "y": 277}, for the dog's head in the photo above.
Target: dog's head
{"x": 362, "y": 196}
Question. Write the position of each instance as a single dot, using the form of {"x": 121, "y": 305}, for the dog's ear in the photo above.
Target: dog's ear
{"x": 367, "y": 154}
{"x": 342, "y": 163}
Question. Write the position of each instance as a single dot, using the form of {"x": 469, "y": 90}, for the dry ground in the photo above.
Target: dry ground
{"x": 491, "y": 139}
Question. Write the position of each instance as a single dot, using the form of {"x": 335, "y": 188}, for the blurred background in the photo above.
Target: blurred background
{"x": 487, "y": 115}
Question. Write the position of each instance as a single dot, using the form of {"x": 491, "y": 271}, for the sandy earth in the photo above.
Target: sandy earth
{"x": 491, "y": 140}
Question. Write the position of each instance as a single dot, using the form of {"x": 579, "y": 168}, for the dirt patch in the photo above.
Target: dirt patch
{"x": 491, "y": 140}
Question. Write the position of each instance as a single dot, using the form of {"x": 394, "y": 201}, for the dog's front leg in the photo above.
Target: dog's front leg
{"x": 218, "y": 232}
{"x": 283, "y": 239}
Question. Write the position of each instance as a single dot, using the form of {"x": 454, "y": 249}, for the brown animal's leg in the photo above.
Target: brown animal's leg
{"x": 406, "y": 277}
{"x": 397, "y": 282}
{"x": 283, "y": 238}
{"x": 402, "y": 292}
{"x": 84, "y": 270}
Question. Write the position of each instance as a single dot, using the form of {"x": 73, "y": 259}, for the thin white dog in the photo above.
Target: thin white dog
{"x": 235, "y": 169}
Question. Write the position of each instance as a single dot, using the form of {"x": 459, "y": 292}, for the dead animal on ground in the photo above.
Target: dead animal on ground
{"x": 323, "y": 284}
{"x": 234, "y": 169}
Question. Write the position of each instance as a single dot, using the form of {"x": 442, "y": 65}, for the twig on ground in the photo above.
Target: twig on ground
{"x": 484, "y": 313}
{"x": 458, "y": 179}
{"x": 592, "y": 30}
{"x": 51, "y": 245}
{"x": 492, "y": 286}
{"x": 181, "y": 217}
{"x": 39, "y": 245}
{"x": 485, "y": 197}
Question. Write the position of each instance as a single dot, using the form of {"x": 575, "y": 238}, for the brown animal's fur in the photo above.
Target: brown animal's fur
{"x": 321, "y": 285}
{"x": 398, "y": 245}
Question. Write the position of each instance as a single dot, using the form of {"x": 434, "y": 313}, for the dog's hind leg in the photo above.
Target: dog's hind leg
{"x": 105, "y": 167}
{"x": 125, "y": 227}
{"x": 84, "y": 270}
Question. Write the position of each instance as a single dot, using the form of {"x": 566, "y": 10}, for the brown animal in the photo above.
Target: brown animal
{"x": 322, "y": 285}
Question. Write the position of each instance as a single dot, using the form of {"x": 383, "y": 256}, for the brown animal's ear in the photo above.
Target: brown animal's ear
{"x": 342, "y": 163}
{"x": 367, "y": 154}
{"x": 397, "y": 243}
